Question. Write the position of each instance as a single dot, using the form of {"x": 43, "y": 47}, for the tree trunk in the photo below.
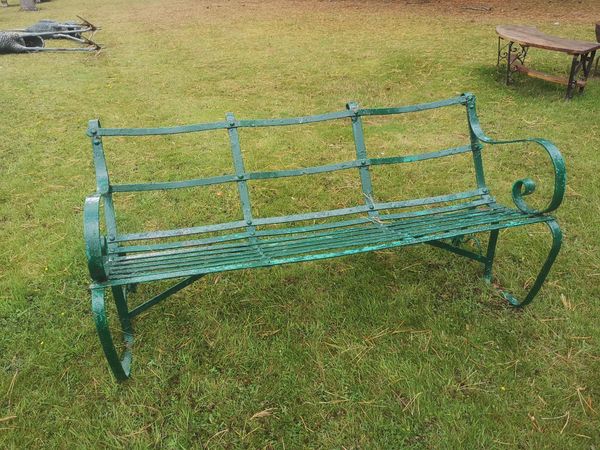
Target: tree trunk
{"x": 28, "y": 5}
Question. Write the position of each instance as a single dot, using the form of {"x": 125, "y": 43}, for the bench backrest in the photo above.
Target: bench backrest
{"x": 241, "y": 176}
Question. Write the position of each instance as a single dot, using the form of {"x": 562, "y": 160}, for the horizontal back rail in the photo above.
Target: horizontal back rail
{"x": 240, "y": 176}
{"x": 275, "y": 122}
{"x": 136, "y": 187}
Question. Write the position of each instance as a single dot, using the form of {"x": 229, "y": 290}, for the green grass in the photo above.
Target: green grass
{"x": 396, "y": 349}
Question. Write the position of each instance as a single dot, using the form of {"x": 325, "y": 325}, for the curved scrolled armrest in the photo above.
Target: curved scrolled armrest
{"x": 526, "y": 186}
{"x": 94, "y": 248}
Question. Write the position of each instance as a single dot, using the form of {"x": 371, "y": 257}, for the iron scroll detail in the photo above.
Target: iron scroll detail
{"x": 525, "y": 186}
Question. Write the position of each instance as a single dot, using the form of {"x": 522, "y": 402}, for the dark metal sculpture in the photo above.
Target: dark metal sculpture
{"x": 32, "y": 39}
{"x": 12, "y": 42}
{"x": 62, "y": 30}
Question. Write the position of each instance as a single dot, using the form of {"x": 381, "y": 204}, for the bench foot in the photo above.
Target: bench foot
{"x": 539, "y": 281}
{"x": 120, "y": 366}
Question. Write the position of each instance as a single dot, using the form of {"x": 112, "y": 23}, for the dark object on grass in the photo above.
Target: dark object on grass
{"x": 47, "y": 25}
{"x": 61, "y": 30}
{"x": 51, "y": 29}
{"x": 12, "y": 42}
{"x": 33, "y": 39}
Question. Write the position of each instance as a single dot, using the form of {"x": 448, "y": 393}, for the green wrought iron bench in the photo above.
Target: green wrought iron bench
{"x": 121, "y": 261}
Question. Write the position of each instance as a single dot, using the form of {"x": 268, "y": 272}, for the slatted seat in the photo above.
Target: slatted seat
{"x": 305, "y": 244}
{"x": 121, "y": 261}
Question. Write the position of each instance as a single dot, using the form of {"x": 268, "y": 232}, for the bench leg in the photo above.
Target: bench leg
{"x": 491, "y": 252}
{"x": 539, "y": 281}
{"x": 120, "y": 366}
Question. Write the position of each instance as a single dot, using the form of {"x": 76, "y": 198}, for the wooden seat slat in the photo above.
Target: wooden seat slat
{"x": 546, "y": 76}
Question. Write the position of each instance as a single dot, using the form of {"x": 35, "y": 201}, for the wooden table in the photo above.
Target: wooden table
{"x": 521, "y": 37}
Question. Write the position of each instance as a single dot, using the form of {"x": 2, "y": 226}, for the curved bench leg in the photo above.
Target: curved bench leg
{"x": 539, "y": 281}
{"x": 120, "y": 367}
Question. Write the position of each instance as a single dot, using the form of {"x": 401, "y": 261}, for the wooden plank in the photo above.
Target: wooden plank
{"x": 532, "y": 37}
{"x": 545, "y": 76}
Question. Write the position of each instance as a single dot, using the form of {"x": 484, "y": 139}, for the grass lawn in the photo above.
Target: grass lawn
{"x": 396, "y": 349}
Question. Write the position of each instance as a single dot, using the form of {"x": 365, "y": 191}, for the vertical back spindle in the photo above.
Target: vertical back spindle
{"x": 475, "y": 147}
{"x": 361, "y": 156}
{"x": 240, "y": 172}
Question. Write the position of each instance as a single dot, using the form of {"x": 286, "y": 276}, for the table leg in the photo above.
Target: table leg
{"x": 522, "y": 54}
{"x": 515, "y": 54}
{"x": 575, "y": 68}
{"x": 499, "y": 52}
{"x": 508, "y": 63}
{"x": 588, "y": 61}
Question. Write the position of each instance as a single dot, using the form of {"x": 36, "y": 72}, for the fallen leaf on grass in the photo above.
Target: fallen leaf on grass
{"x": 264, "y": 413}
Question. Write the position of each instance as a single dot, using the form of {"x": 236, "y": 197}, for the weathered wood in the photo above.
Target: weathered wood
{"x": 532, "y": 37}
{"x": 546, "y": 76}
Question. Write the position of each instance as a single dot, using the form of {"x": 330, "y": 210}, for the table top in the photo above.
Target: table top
{"x": 532, "y": 37}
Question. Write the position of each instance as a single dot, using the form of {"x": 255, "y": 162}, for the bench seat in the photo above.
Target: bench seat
{"x": 281, "y": 246}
